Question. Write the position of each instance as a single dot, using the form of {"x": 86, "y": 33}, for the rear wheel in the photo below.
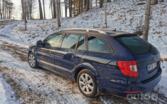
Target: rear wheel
{"x": 32, "y": 60}
{"x": 87, "y": 83}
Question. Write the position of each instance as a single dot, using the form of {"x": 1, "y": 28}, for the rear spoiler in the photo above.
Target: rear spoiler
{"x": 139, "y": 33}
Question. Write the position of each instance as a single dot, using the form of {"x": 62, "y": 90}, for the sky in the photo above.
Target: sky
{"x": 17, "y": 9}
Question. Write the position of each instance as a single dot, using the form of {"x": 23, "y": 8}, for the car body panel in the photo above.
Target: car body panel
{"x": 68, "y": 62}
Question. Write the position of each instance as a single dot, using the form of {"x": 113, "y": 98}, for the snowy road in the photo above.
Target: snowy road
{"x": 39, "y": 84}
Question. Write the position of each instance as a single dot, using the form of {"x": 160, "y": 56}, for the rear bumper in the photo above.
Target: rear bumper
{"x": 109, "y": 87}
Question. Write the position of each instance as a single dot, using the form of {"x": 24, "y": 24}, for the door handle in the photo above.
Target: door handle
{"x": 69, "y": 56}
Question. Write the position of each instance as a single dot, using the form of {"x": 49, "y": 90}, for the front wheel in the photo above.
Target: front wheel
{"x": 87, "y": 83}
{"x": 32, "y": 60}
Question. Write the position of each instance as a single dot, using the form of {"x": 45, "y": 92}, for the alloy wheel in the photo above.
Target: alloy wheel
{"x": 31, "y": 60}
{"x": 86, "y": 83}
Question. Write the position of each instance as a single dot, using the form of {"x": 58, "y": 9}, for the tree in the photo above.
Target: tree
{"x": 27, "y": 8}
{"x": 58, "y": 11}
{"x": 40, "y": 9}
{"x": 53, "y": 8}
{"x": 101, "y": 3}
{"x": 70, "y": 8}
{"x": 87, "y": 4}
{"x": 0, "y": 9}
{"x": 105, "y": 15}
{"x": 147, "y": 20}
{"x": 66, "y": 5}
{"x": 24, "y": 13}
{"x": 30, "y": 6}
{"x": 6, "y": 7}
{"x": 44, "y": 9}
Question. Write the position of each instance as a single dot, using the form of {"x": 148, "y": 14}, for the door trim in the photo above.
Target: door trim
{"x": 53, "y": 65}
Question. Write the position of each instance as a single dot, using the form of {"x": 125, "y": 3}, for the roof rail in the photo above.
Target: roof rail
{"x": 86, "y": 29}
{"x": 99, "y": 31}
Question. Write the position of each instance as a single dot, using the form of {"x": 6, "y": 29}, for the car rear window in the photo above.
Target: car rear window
{"x": 135, "y": 44}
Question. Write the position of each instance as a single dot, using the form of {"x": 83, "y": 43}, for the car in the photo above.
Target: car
{"x": 101, "y": 61}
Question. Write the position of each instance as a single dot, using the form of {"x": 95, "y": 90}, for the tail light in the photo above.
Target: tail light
{"x": 128, "y": 68}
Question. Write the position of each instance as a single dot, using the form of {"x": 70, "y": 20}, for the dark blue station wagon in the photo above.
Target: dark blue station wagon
{"x": 100, "y": 61}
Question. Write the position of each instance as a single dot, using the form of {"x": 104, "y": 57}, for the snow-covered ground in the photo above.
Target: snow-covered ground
{"x": 7, "y": 95}
{"x": 162, "y": 85}
{"x": 124, "y": 15}
{"x": 51, "y": 88}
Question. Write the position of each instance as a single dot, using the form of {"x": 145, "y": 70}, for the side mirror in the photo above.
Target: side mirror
{"x": 39, "y": 43}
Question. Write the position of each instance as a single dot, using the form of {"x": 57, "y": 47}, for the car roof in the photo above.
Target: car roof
{"x": 105, "y": 31}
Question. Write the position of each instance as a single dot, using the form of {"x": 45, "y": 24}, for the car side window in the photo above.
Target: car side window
{"x": 97, "y": 45}
{"x": 54, "y": 40}
{"x": 81, "y": 43}
{"x": 70, "y": 41}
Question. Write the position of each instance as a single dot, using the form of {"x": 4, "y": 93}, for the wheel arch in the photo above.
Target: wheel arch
{"x": 82, "y": 66}
{"x": 31, "y": 49}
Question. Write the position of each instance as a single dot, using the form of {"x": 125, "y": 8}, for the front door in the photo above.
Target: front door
{"x": 66, "y": 55}
{"x": 45, "y": 56}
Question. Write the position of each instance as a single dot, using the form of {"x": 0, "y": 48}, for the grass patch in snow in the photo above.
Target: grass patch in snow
{"x": 1, "y": 61}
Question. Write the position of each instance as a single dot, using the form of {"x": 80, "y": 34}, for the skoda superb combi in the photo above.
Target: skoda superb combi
{"x": 100, "y": 61}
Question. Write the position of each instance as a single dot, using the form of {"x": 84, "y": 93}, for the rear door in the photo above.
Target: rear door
{"x": 145, "y": 54}
{"x": 99, "y": 54}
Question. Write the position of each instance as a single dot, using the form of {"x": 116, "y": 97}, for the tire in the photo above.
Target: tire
{"x": 32, "y": 60}
{"x": 87, "y": 83}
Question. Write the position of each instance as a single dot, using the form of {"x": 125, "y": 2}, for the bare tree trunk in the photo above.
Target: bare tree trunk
{"x": 44, "y": 9}
{"x": 6, "y": 7}
{"x": 54, "y": 8}
{"x": 153, "y": 2}
{"x": 105, "y": 16}
{"x": 40, "y": 9}
{"x": 58, "y": 11}
{"x": 23, "y": 2}
{"x": 81, "y": 6}
{"x": 87, "y": 5}
{"x": 90, "y": 4}
{"x": 101, "y": 3}
{"x": 66, "y": 8}
{"x": 0, "y": 6}
{"x": 30, "y": 8}
{"x": 70, "y": 8}
{"x": 22, "y": 5}
{"x": 3, "y": 9}
{"x": 147, "y": 20}
{"x": 51, "y": 6}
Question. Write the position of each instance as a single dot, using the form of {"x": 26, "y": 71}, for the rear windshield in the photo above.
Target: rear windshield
{"x": 135, "y": 44}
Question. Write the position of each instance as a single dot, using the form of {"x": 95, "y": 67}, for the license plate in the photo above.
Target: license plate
{"x": 152, "y": 66}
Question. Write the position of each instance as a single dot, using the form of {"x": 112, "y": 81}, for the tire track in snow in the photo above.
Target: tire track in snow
{"x": 7, "y": 96}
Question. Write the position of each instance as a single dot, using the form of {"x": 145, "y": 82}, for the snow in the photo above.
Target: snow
{"x": 55, "y": 89}
{"x": 7, "y": 95}
{"x": 123, "y": 15}
{"x": 163, "y": 83}
{"x": 14, "y": 32}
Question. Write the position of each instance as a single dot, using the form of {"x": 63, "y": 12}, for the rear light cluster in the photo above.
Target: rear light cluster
{"x": 128, "y": 68}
